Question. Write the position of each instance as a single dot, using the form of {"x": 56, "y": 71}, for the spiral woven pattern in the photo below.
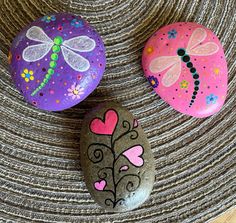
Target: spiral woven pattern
{"x": 40, "y": 173}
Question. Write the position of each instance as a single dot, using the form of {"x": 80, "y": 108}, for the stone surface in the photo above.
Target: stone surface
{"x": 186, "y": 66}
{"x": 116, "y": 158}
{"x": 57, "y": 61}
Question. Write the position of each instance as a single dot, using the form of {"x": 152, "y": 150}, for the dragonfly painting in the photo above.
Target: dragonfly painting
{"x": 36, "y": 52}
{"x": 172, "y": 64}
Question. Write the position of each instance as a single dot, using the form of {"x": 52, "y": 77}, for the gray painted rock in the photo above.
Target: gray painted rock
{"x": 116, "y": 158}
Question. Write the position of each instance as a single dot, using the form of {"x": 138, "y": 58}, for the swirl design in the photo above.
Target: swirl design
{"x": 110, "y": 174}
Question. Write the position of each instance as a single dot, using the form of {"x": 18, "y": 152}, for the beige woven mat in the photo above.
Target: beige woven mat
{"x": 40, "y": 173}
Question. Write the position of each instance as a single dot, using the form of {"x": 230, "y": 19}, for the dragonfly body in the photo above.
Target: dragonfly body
{"x": 182, "y": 53}
{"x": 56, "y": 48}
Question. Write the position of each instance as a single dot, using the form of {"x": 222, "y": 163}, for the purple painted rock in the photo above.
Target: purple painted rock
{"x": 57, "y": 61}
{"x": 116, "y": 158}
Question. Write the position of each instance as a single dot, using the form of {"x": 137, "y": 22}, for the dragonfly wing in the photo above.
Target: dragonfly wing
{"x": 37, "y": 34}
{"x": 172, "y": 75}
{"x": 197, "y": 37}
{"x": 80, "y": 43}
{"x": 74, "y": 60}
{"x": 161, "y": 63}
{"x": 204, "y": 49}
{"x": 36, "y": 52}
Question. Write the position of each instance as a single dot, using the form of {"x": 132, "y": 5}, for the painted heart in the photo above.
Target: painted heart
{"x": 124, "y": 168}
{"x": 106, "y": 126}
{"x": 134, "y": 155}
{"x": 100, "y": 185}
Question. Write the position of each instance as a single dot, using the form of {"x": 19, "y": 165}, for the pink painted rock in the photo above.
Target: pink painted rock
{"x": 185, "y": 64}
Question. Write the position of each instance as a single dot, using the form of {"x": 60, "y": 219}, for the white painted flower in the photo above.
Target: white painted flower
{"x": 75, "y": 91}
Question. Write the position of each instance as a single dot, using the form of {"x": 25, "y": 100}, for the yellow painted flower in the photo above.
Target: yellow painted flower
{"x": 184, "y": 84}
{"x": 27, "y": 75}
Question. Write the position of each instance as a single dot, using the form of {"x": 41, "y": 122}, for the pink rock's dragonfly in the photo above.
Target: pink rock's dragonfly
{"x": 173, "y": 63}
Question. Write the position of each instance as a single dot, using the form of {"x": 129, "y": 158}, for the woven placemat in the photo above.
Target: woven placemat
{"x": 40, "y": 174}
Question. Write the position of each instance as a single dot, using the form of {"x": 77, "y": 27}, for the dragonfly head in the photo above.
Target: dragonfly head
{"x": 58, "y": 40}
{"x": 181, "y": 52}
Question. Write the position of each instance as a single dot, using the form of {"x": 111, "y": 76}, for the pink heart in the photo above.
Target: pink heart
{"x": 124, "y": 168}
{"x": 107, "y": 126}
{"x": 100, "y": 185}
{"x": 134, "y": 154}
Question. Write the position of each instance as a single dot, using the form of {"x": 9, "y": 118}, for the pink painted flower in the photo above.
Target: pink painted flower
{"x": 75, "y": 91}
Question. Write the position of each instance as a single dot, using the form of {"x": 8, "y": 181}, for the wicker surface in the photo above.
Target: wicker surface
{"x": 41, "y": 178}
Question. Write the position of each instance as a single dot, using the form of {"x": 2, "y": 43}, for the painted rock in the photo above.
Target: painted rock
{"x": 57, "y": 61}
{"x": 186, "y": 66}
{"x": 116, "y": 158}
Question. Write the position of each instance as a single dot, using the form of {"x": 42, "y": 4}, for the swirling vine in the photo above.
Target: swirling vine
{"x": 95, "y": 154}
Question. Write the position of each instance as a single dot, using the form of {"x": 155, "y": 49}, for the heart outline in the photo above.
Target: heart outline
{"x": 134, "y": 157}
{"x": 101, "y": 127}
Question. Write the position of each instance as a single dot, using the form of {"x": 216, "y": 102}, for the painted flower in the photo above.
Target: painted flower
{"x": 77, "y": 23}
{"x": 184, "y": 84}
{"x": 211, "y": 99}
{"x": 75, "y": 91}
{"x": 49, "y": 18}
{"x": 27, "y": 75}
{"x": 153, "y": 81}
{"x": 172, "y": 34}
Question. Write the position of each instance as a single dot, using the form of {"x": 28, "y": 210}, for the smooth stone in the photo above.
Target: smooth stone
{"x": 57, "y": 61}
{"x": 116, "y": 158}
{"x": 185, "y": 64}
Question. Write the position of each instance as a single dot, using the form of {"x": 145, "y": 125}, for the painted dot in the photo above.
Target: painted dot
{"x": 180, "y": 52}
{"x": 53, "y": 64}
{"x": 195, "y": 76}
{"x": 79, "y": 77}
{"x": 51, "y": 91}
{"x": 186, "y": 58}
{"x": 34, "y": 103}
{"x": 189, "y": 65}
{"x": 46, "y": 59}
{"x": 50, "y": 71}
{"x": 18, "y": 57}
{"x": 41, "y": 94}
{"x": 54, "y": 56}
{"x": 196, "y": 88}
{"x": 61, "y": 67}
{"x": 56, "y": 49}
{"x": 192, "y": 101}
{"x": 193, "y": 70}
{"x": 197, "y": 82}
{"x": 44, "y": 69}
{"x": 195, "y": 93}
{"x": 193, "y": 97}
{"x": 57, "y": 101}
{"x": 149, "y": 49}
{"x": 58, "y": 40}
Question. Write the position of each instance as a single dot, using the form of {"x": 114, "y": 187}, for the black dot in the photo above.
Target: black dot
{"x": 176, "y": 89}
{"x": 189, "y": 64}
{"x": 197, "y": 82}
{"x": 193, "y": 70}
{"x": 43, "y": 69}
{"x": 193, "y": 97}
{"x": 194, "y": 93}
{"x": 192, "y": 101}
{"x": 196, "y": 88}
{"x": 173, "y": 98}
{"x": 195, "y": 76}
{"x": 186, "y": 91}
{"x": 41, "y": 94}
{"x": 180, "y": 52}
{"x": 167, "y": 44}
{"x": 186, "y": 58}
